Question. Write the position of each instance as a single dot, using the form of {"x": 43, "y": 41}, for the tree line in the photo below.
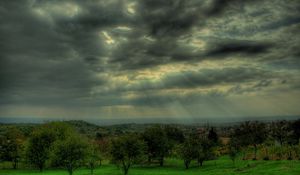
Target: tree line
{"x": 58, "y": 145}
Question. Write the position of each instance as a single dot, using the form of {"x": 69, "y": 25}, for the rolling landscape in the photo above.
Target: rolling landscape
{"x": 241, "y": 148}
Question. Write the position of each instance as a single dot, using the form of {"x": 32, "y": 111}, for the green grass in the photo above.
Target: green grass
{"x": 222, "y": 166}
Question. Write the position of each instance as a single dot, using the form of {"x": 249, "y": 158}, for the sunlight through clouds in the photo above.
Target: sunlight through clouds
{"x": 140, "y": 58}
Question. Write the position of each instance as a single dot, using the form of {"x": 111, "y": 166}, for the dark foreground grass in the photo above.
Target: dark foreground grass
{"x": 222, "y": 166}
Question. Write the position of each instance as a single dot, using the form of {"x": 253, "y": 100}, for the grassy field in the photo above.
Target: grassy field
{"x": 222, "y": 166}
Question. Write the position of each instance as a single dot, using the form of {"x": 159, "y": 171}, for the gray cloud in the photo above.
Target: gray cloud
{"x": 237, "y": 47}
{"x": 204, "y": 78}
{"x": 211, "y": 77}
{"x": 169, "y": 17}
{"x": 95, "y": 53}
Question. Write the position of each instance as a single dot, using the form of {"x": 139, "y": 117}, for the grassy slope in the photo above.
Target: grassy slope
{"x": 223, "y": 166}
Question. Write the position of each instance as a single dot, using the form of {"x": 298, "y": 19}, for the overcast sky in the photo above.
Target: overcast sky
{"x": 149, "y": 59}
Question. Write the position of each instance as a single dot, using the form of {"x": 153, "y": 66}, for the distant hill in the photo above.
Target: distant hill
{"x": 93, "y": 130}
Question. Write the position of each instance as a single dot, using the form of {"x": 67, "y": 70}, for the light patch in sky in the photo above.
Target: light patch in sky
{"x": 61, "y": 9}
{"x": 124, "y": 28}
{"x": 131, "y": 8}
{"x": 108, "y": 38}
{"x": 199, "y": 44}
{"x": 147, "y": 38}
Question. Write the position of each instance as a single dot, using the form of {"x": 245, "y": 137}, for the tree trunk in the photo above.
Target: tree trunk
{"x": 200, "y": 162}
{"x": 92, "y": 167}
{"x": 126, "y": 171}
{"x": 161, "y": 161}
{"x": 125, "y": 167}
{"x": 255, "y": 151}
{"x": 244, "y": 155}
{"x": 41, "y": 168}
{"x": 187, "y": 164}
{"x": 290, "y": 153}
{"x": 15, "y": 162}
{"x": 281, "y": 142}
{"x": 70, "y": 171}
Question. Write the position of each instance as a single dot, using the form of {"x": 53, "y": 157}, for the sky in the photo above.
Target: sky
{"x": 127, "y": 60}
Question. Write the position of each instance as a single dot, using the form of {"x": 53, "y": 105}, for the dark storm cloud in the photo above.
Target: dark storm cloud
{"x": 48, "y": 82}
{"x": 291, "y": 20}
{"x": 219, "y": 6}
{"x": 169, "y": 17}
{"x": 163, "y": 22}
{"x": 211, "y": 77}
{"x": 55, "y": 52}
{"x": 166, "y": 22}
{"x": 260, "y": 85}
{"x": 39, "y": 62}
{"x": 139, "y": 54}
{"x": 243, "y": 47}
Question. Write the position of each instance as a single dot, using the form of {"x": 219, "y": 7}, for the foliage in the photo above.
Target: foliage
{"x": 158, "y": 144}
{"x": 188, "y": 151}
{"x": 196, "y": 147}
{"x": 93, "y": 156}
{"x": 38, "y": 147}
{"x": 126, "y": 151}
{"x": 41, "y": 141}
{"x": 70, "y": 153}
{"x": 296, "y": 130}
{"x": 250, "y": 133}
{"x": 213, "y": 137}
{"x": 11, "y": 146}
{"x": 204, "y": 150}
{"x": 280, "y": 131}
{"x": 104, "y": 147}
{"x": 174, "y": 134}
{"x": 233, "y": 149}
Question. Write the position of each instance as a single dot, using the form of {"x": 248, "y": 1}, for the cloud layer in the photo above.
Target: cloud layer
{"x": 135, "y": 58}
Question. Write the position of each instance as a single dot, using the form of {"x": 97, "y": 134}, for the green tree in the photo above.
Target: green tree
{"x": 38, "y": 147}
{"x": 198, "y": 147}
{"x": 204, "y": 150}
{"x": 233, "y": 149}
{"x": 213, "y": 137}
{"x": 41, "y": 140}
{"x": 280, "y": 131}
{"x": 250, "y": 133}
{"x": 258, "y": 135}
{"x": 294, "y": 134}
{"x": 70, "y": 153}
{"x": 11, "y": 146}
{"x": 93, "y": 157}
{"x": 126, "y": 151}
{"x": 174, "y": 134}
{"x": 188, "y": 151}
{"x": 104, "y": 147}
{"x": 158, "y": 145}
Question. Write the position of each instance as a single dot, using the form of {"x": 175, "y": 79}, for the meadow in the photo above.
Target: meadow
{"x": 222, "y": 166}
